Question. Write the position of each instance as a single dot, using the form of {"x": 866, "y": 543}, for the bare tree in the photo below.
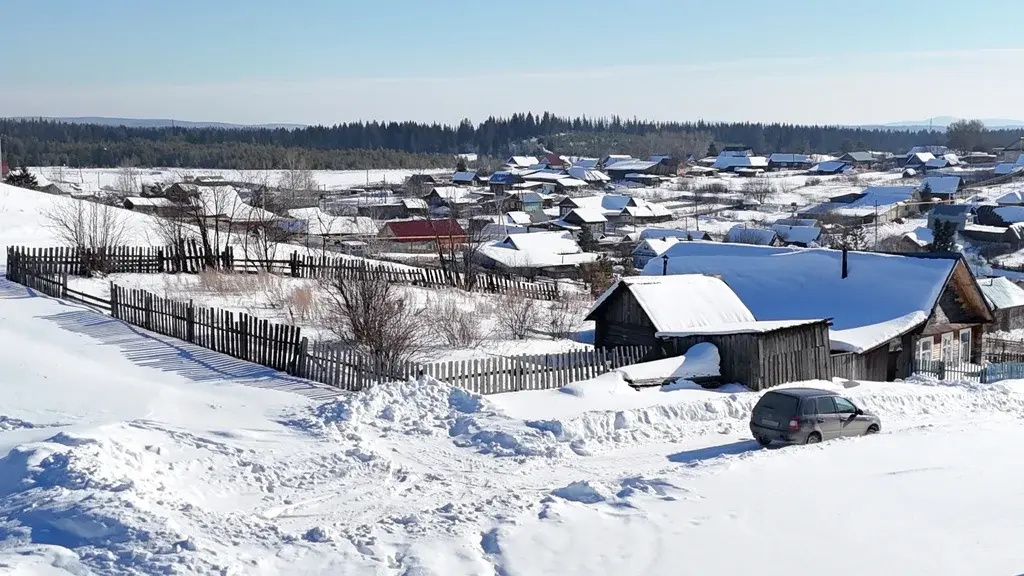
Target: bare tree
{"x": 454, "y": 323}
{"x": 374, "y": 317}
{"x": 297, "y": 179}
{"x": 129, "y": 179}
{"x": 565, "y": 315}
{"x": 758, "y": 189}
{"x": 213, "y": 211}
{"x": 88, "y": 225}
{"x": 518, "y": 315}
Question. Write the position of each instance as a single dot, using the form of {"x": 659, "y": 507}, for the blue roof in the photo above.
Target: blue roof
{"x": 503, "y": 178}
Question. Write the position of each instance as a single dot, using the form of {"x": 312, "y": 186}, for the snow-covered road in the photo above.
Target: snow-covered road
{"x": 129, "y": 454}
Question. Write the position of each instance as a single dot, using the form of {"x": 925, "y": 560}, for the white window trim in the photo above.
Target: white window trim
{"x": 960, "y": 344}
{"x": 922, "y": 355}
{"x": 946, "y": 347}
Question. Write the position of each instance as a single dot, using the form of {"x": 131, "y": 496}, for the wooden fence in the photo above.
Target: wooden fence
{"x": 283, "y": 348}
{"x": 188, "y": 257}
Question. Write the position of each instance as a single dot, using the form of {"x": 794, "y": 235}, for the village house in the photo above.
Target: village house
{"x": 1012, "y": 153}
{"x": 154, "y": 206}
{"x": 780, "y": 161}
{"x": 331, "y": 229}
{"x": 947, "y": 160}
{"x": 801, "y": 236}
{"x": 398, "y": 209}
{"x": 618, "y": 209}
{"x": 554, "y": 181}
{"x": 739, "y": 158}
{"x": 1006, "y": 299}
{"x": 522, "y": 162}
{"x": 676, "y": 312}
{"x": 941, "y": 188}
{"x": 551, "y": 254}
{"x": 458, "y": 199}
{"x": 830, "y": 168}
{"x": 1014, "y": 198}
{"x": 890, "y": 313}
{"x": 916, "y": 241}
{"x": 918, "y": 160}
{"x": 467, "y": 178}
{"x": 592, "y": 176}
{"x": 978, "y": 158}
{"x": 656, "y": 247}
{"x": 611, "y": 159}
{"x": 876, "y": 203}
{"x": 588, "y": 221}
{"x": 742, "y": 234}
{"x": 427, "y": 233}
{"x": 220, "y": 203}
{"x": 960, "y": 215}
{"x": 858, "y": 159}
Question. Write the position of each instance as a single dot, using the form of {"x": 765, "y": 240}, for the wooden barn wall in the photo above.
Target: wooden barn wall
{"x": 872, "y": 366}
{"x": 1007, "y": 319}
{"x": 622, "y": 322}
{"x": 763, "y": 360}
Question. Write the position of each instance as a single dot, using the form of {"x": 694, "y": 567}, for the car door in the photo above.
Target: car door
{"x": 828, "y": 419}
{"x": 852, "y": 424}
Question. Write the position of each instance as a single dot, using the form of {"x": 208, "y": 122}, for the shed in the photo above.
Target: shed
{"x": 741, "y": 234}
{"x": 858, "y": 158}
{"x": 802, "y": 236}
{"x": 416, "y": 231}
{"x": 961, "y": 215}
{"x": 792, "y": 161}
{"x": 1006, "y": 299}
{"x": 155, "y": 206}
{"x": 941, "y": 187}
{"x": 829, "y": 168}
{"x": 467, "y": 178}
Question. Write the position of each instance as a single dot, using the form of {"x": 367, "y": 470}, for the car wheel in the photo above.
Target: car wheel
{"x": 813, "y": 438}
{"x": 873, "y": 429}
{"x": 764, "y": 441}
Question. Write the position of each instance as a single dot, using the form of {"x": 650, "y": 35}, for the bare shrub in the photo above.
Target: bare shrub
{"x": 88, "y": 225}
{"x": 758, "y": 189}
{"x": 454, "y": 324}
{"x": 230, "y": 283}
{"x": 376, "y": 318}
{"x": 813, "y": 181}
{"x": 304, "y": 306}
{"x": 712, "y": 189}
{"x": 565, "y": 315}
{"x": 851, "y": 178}
{"x": 518, "y": 315}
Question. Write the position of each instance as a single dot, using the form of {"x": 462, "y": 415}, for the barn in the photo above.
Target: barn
{"x": 674, "y": 313}
{"x": 889, "y": 313}
{"x": 1006, "y": 299}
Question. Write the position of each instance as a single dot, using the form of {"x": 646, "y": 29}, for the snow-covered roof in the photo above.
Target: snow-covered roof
{"x": 729, "y": 162}
{"x": 1010, "y": 214}
{"x": 570, "y": 182}
{"x": 522, "y": 161}
{"x": 805, "y": 235}
{"x": 1006, "y": 168}
{"x": 757, "y": 327}
{"x": 779, "y": 158}
{"x": 1001, "y": 292}
{"x": 920, "y": 158}
{"x": 154, "y": 202}
{"x": 518, "y": 217}
{"x": 1014, "y": 198}
{"x": 943, "y": 161}
{"x": 414, "y": 203}
{"x": 455, "y": 194}
{"x": 588, "y": 215}
{"x": 586, "y": 163}
{"x": 941, "y": 184}
{"x": 882, "y": 292}
{"x": 320, "y": 223}
{"x": 631, "y": 165}
{"x": 645, "y": 209}
{"x": 880, "y": 197}
{"x": 656, "y": 246}
{"x": 464, "y": 177}
{"x": 830, "y": 167}
{"x": 611, "y": 159}
{"x": 676, "y": 303}
{"x": 588, "y": 174}
{"x": 921, "y": 236}
{"x": 537, "y": 250}
{"x": 669, "y": 233}
{"x": 740, "y": 233}
{"x": 224, "y": 201}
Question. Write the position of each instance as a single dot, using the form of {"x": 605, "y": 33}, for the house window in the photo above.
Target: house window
{"x": 924, "y": 351}
{"x": 947, "y": 347}
{"x": 965, "y": 345}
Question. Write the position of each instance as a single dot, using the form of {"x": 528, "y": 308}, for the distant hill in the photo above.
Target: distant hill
{"x": 940, "y": 123}
{"x": 165, "y": 123}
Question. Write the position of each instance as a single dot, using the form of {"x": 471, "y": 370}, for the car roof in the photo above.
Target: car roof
{"x": 805, "y": 392}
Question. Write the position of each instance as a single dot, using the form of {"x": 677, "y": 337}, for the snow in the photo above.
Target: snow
{"x": 941, "y": 184}
{"x": 806, "y": 235}
{"x": 128, "y": 453}
{"x": 537, "y": 250}
{"x": 922, "y": 236}
{"x": 757, "y": 327}
{"x": 807, "y": 284}
{"x": 701, "y": 360}
{"x": 679, "y": 302}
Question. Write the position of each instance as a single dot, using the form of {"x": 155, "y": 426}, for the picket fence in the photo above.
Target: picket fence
{"x": 188, "y": 257}
{"x": 282, "y": 347}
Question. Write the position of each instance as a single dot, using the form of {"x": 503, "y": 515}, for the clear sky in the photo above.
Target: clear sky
{"x": 327, "y": 61}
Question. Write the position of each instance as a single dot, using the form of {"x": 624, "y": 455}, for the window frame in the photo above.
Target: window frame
{"x": 946, "y": 347}
{"x": 921, "y": 357}
{"x": 828, "y": 399}
{"x": 836, "y": 399}
{"x": 965, "y": 357}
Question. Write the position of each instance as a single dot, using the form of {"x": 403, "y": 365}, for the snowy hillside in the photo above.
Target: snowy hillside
{"x": 133, "y": 454}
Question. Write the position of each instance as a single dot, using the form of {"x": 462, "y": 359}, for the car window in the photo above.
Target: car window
{"x": 844, "y": 406}
{"x": 808, "y": 408}
{"x": 777, "y": 403}
{"x": 826, "y": 405}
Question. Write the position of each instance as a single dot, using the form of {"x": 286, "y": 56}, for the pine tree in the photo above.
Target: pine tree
{"x": 944, "y": 237}
{"x": 712, "y": 151}
{"x": 22, "y": 178}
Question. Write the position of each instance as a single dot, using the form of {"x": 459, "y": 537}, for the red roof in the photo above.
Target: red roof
{"x": 413, "y": 230}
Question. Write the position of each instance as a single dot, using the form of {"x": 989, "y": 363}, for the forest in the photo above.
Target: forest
{"x": 364, "y": 145}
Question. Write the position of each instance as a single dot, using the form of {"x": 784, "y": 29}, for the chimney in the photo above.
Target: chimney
{"x": 845, "y": 266}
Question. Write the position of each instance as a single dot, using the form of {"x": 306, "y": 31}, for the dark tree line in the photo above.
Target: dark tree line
{"x": 401, "y": 144}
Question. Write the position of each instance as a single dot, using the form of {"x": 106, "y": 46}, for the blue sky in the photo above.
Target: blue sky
{"x": 333, "y": 60}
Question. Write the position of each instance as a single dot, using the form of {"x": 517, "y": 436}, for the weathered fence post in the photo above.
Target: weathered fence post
{"x": 114, "y": 309}
{"x": 148, "y": 299}
{"x": 190, "y": 322}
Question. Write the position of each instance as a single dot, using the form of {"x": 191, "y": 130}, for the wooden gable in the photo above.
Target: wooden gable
{"x": 961, "y": 304}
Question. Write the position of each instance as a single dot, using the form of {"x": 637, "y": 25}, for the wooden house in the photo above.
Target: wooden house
{"x": 155, "y": 206}
{"x": 889, "y": 312}
{"x": 1006, "y": 299}
{"x": 858, "y": 158}
{"x": 423, "y": 232}
{"x": 673, "y": 313}
{"x": 779, "y": 161}
{"x": 588, "y": 219}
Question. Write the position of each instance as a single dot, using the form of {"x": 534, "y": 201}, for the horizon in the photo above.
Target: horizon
{"x": 396, "y": 60}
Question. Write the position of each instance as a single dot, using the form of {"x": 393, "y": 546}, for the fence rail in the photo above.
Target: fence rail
{"x": 189, "y": 257}
{"x": 283, "y": 348}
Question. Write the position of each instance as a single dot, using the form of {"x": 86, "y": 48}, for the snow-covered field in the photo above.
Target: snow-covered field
{"x": 127, "y": 453}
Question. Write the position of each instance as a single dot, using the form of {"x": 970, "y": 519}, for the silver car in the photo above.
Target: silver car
{"x": 808, "y": 416}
